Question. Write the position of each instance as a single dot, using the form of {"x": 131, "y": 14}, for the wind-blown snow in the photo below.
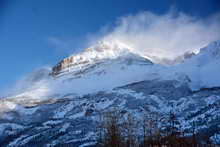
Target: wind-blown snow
{"x": 164, "y": 36}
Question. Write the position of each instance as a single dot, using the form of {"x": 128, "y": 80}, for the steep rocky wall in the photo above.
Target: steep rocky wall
{"x": 65, "y": 63}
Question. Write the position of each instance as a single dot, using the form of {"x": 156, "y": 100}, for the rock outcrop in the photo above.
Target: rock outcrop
{"x": 63, "y": 64}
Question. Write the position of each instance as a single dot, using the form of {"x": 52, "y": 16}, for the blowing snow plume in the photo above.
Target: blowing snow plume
{"x": 165, "y": 36}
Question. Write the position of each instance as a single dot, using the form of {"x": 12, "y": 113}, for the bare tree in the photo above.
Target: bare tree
{"x": 118, "y": 129}
{"x": 112, "y": 133}
{"x": 151, "y": 132}
{"x": 129, "y": 128}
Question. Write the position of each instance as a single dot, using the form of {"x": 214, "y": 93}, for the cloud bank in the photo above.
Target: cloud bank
{"x": 164, "y": 36}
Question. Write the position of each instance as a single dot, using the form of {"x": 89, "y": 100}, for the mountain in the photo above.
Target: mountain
{"x": 62, "y": 106}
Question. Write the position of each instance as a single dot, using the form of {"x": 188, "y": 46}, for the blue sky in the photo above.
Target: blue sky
{"x": 36, "y": 33}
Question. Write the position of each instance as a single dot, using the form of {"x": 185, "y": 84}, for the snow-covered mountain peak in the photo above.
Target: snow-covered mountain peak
{"x": 115, "y": 46}
{"x": 105, "y": 49}
{"x": 102, "y": 51}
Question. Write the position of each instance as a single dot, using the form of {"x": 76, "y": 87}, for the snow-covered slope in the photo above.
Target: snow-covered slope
{"x": 203, "y": 69}
{"x": 73, "y": 119}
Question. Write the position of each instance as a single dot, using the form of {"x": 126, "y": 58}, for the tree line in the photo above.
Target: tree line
{"x": 117, "y": 129}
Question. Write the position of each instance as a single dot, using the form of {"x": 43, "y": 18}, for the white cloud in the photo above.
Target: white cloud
{"x": 164, "y": 36}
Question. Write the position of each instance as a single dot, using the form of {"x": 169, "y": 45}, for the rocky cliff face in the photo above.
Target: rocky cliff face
{"x": 65, "y": 63}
